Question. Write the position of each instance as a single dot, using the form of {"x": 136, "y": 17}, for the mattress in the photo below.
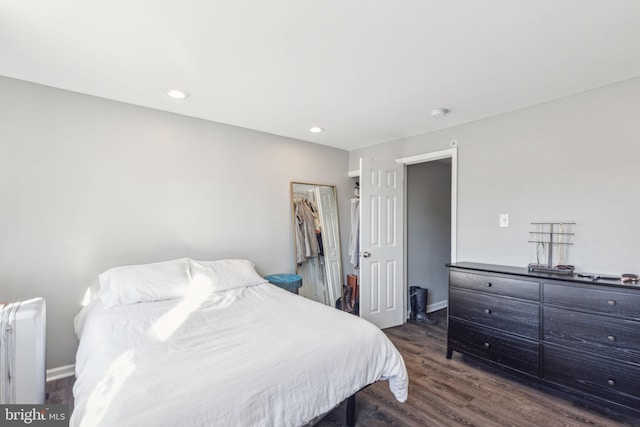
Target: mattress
{"x": 255, "y": 355}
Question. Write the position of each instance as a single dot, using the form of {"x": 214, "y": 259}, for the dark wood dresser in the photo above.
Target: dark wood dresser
{"x": 575, "y": 334}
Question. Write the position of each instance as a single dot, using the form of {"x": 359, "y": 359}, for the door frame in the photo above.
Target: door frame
{"x": 451, "y": 153}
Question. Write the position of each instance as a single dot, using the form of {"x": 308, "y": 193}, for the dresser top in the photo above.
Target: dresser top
{"x": 524, "y": 272}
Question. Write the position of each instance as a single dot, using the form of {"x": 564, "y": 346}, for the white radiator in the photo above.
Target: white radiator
{"x": 22, "y": 352}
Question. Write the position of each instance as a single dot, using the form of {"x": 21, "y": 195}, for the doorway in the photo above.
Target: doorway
{"x": 429, "y": 229}
{"x": 430, "y": 222}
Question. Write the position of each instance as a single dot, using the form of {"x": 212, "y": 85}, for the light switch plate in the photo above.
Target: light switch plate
{"x": 504, "y": 220}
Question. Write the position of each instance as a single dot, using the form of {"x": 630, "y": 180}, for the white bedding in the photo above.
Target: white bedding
{"x": 252, "y": 356}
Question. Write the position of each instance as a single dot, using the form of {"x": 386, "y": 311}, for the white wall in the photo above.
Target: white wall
{"x": 87, "y": 184}
{"x": 574, "y": 159}
{"x": 429, "y": 228}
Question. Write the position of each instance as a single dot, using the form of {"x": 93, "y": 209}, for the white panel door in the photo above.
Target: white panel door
{"x": 382, "y": 290}
{"x": 328, "y": 211}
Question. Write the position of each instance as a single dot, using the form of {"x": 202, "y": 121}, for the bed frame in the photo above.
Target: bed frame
{"x": 351, "y": 410}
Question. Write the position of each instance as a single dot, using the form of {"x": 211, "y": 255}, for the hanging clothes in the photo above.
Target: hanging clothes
{"x": 306, "y": 239}
{"x": 354, "y": 238}
{"x": 317, "y": 225}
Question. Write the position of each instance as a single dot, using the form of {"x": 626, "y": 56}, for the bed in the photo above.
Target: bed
{"x": 197, "y": 343}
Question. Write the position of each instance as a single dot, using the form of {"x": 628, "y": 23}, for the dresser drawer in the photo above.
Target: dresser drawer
{"x": 597, "y": 334}
{"x": 516, "y": 353}
{"x": 496, "y": 285}
{"x": 509, "y": 315}
{"x": 610, "y": 380}
{"x": 601, "y": 299}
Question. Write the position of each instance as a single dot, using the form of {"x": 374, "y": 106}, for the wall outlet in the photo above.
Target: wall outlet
{"x": 504, "y": 220}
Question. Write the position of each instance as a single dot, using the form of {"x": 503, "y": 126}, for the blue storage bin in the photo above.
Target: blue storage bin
{"x": 290, "y": 282}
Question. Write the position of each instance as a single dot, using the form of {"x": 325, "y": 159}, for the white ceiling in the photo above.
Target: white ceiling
{"x": 367, "y": 71}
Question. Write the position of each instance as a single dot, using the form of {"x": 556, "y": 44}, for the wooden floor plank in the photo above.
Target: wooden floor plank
{"x": 460, "y": 392}
{"x": 463, "y": 391}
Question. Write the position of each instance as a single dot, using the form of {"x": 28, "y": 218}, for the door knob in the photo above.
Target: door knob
{"x": 366, "y": 254}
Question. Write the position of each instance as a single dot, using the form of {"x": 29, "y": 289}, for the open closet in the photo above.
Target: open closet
{"x": 316, "y": 234}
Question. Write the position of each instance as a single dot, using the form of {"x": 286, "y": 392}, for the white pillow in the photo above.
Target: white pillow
{"x": 225, "y": 274}
{"x": 131, "y": 284}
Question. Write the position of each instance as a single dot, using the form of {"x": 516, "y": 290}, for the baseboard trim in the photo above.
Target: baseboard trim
{"x": 61, "y": 372}
{"x": 437, "y": 306}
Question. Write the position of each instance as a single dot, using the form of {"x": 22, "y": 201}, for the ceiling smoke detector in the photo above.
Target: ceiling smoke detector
{"x": 439, "y": 113}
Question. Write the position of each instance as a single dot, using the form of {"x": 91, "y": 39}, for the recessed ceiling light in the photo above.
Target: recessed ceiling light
{"x": 177, "y": 93}
{"x": 316, "y": 129}
{"x": 438, "y": 113}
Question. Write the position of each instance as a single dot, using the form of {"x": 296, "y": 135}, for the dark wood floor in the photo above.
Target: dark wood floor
{"x": 463, "y": 392}
{"x": 456, "y": 392}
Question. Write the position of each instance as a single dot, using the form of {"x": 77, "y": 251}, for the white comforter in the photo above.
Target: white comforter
{"x": 256, "y": 356}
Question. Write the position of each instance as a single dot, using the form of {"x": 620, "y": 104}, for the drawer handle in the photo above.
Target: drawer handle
{"x": 486, "y": 310}
{"x": 611, "y": 338}
{"x": 611, "y": 382}
{"x": 489, "y": 284}
{"x": 486, "y": 345}
{"x": 611, "y": 302}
